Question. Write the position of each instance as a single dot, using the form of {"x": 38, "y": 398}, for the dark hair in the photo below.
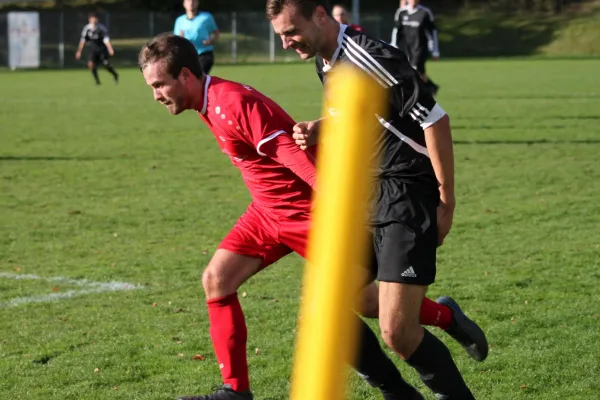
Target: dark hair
{"x": 92, "y": 15}
{"x": 176, "y": 51}
{"x": 306, "y": 7}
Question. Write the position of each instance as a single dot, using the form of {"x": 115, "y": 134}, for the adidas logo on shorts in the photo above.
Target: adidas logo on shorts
{"x": 409, "y": 273}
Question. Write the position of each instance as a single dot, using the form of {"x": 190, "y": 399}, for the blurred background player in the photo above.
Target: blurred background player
{"x": 201, "y": 29}
{"x": 416, "y": 34}
{"x": 96, "y": 36}
{"x": 341, "y": 15}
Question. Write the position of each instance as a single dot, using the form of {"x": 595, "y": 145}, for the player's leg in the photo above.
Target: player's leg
{"x": 93, "y": 66}
{"x": 432, "y": 313}
{"x": 371, "y": 362}
{"x": 443, "y": 313}
{"x": 439, "y": 314}
{"x": 108, "y": 66}
{"x": 407, "y": 256}
{"x": 248, "y": 248}
{"x": 207, "y": 60}
{"x": 294, "y": 234}
{"x": 419, "y": 348}
{"x": 367, "y": 302}
{"x": 221, "y": 279}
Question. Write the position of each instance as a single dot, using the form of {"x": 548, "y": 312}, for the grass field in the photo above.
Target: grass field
{"x": 101, "y": 184}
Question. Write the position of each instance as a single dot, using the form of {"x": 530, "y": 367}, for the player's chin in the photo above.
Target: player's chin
{"x": 306, "y": 56}
{"x": 173, "y": 109}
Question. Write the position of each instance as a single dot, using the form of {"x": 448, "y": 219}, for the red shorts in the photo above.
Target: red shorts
{"x": 257, "y": 234}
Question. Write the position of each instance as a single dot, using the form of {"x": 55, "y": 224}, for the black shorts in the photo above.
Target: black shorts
{"x": 405, "y": 252}
{"x": 207, "y": 60}
{"x": 99, "y": 56}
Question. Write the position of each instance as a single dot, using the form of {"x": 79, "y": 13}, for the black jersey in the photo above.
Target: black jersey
{"x": 415, "y": 32}
{"x": 96, "y": 37}
{"x": 403, "y": 155}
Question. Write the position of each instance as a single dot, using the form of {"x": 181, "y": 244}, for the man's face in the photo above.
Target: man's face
{"x": 340, "y": 15}
{"x": 298, "y": 32}
{"x": 412, "y": 3}
{"x": 190, "y": 5}
{"x": 167, "y": 90}
{"x": 93, "y": 21}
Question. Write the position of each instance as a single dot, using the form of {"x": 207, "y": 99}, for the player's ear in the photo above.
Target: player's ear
{"x": 185, "y": 73}
{"x": 320, "y": 13}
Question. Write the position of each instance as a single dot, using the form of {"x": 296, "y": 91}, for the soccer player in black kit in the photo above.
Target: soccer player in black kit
{"x": 96, "y": 36}
{"x": 414, "y": 193}
{"x": 415, "y": 33}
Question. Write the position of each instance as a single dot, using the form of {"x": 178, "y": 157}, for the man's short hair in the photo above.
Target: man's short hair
{"x": 176, "y": 51}
{"x": 92, "y": 15}
{"x": 306, "y": 7}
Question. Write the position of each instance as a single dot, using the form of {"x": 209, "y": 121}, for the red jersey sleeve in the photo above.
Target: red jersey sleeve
{"x": 268, "y": 128}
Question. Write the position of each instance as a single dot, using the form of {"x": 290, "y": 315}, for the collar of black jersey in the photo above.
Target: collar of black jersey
{"x": 340, "y": 41}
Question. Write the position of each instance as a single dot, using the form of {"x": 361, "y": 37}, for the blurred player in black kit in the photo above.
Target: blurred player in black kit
{"x": 96, "y": 36}
{"x": 416, "y": 34}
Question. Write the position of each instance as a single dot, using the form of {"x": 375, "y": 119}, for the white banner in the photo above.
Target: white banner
{"x": 23, "y": 40}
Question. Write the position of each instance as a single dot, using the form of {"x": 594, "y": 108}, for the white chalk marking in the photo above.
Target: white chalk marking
{"x": 87, "y": 288}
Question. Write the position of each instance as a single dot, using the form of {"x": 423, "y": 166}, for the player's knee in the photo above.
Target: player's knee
{"x": 222, "y": 279}
{"x": 402, "y": 337}
{"x": 214, "y": 282}
{"x": 90, "y": 65}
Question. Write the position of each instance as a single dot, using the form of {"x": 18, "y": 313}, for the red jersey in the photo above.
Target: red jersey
{"x": 255, "y": 132}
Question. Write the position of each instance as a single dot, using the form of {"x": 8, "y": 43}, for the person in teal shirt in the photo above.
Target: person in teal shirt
{"x": 201, "y": 29}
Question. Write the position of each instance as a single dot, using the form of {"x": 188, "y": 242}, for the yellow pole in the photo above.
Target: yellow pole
{"x": 338, "y": 241}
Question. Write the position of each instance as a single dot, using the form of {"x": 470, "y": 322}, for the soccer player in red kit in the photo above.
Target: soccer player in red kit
{"x": 255, "y": 133}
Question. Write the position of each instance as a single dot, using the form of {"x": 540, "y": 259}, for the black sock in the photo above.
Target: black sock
{"x": 95, "y": 73}
{"x": 435, "y": 365}
{"x": 377, "y": 369}
{"x": 110, "y": 69}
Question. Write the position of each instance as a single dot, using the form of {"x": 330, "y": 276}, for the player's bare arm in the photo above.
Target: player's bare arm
{"x": 214, "y": 37}
{"x": 79, "y": 49}
{"x": 110, "y": 48}
{"x": 439, "y": 145}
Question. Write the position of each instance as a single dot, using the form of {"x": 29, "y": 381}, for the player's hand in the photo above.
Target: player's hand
{"x": 305, "y": 134}
{"x": 435, "y": 57}
{"x": 181, "y": 33}
{"x": 111, "y": 52}
{"x": 445, "y": 215}
{"x": 207, "y": 42}
{"x": 78, "y": 55}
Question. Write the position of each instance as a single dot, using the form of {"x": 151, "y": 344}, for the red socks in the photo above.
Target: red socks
{"x": 229, "y": 335}
{"x": 435, "y": 314}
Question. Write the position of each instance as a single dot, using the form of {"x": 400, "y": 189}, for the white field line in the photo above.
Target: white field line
{"x": 87, "y": 287}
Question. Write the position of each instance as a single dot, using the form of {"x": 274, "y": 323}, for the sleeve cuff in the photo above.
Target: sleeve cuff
{"x": 434, "y": 116}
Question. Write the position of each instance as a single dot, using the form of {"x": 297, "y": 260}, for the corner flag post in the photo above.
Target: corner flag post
{"x": 338, "y": 241}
